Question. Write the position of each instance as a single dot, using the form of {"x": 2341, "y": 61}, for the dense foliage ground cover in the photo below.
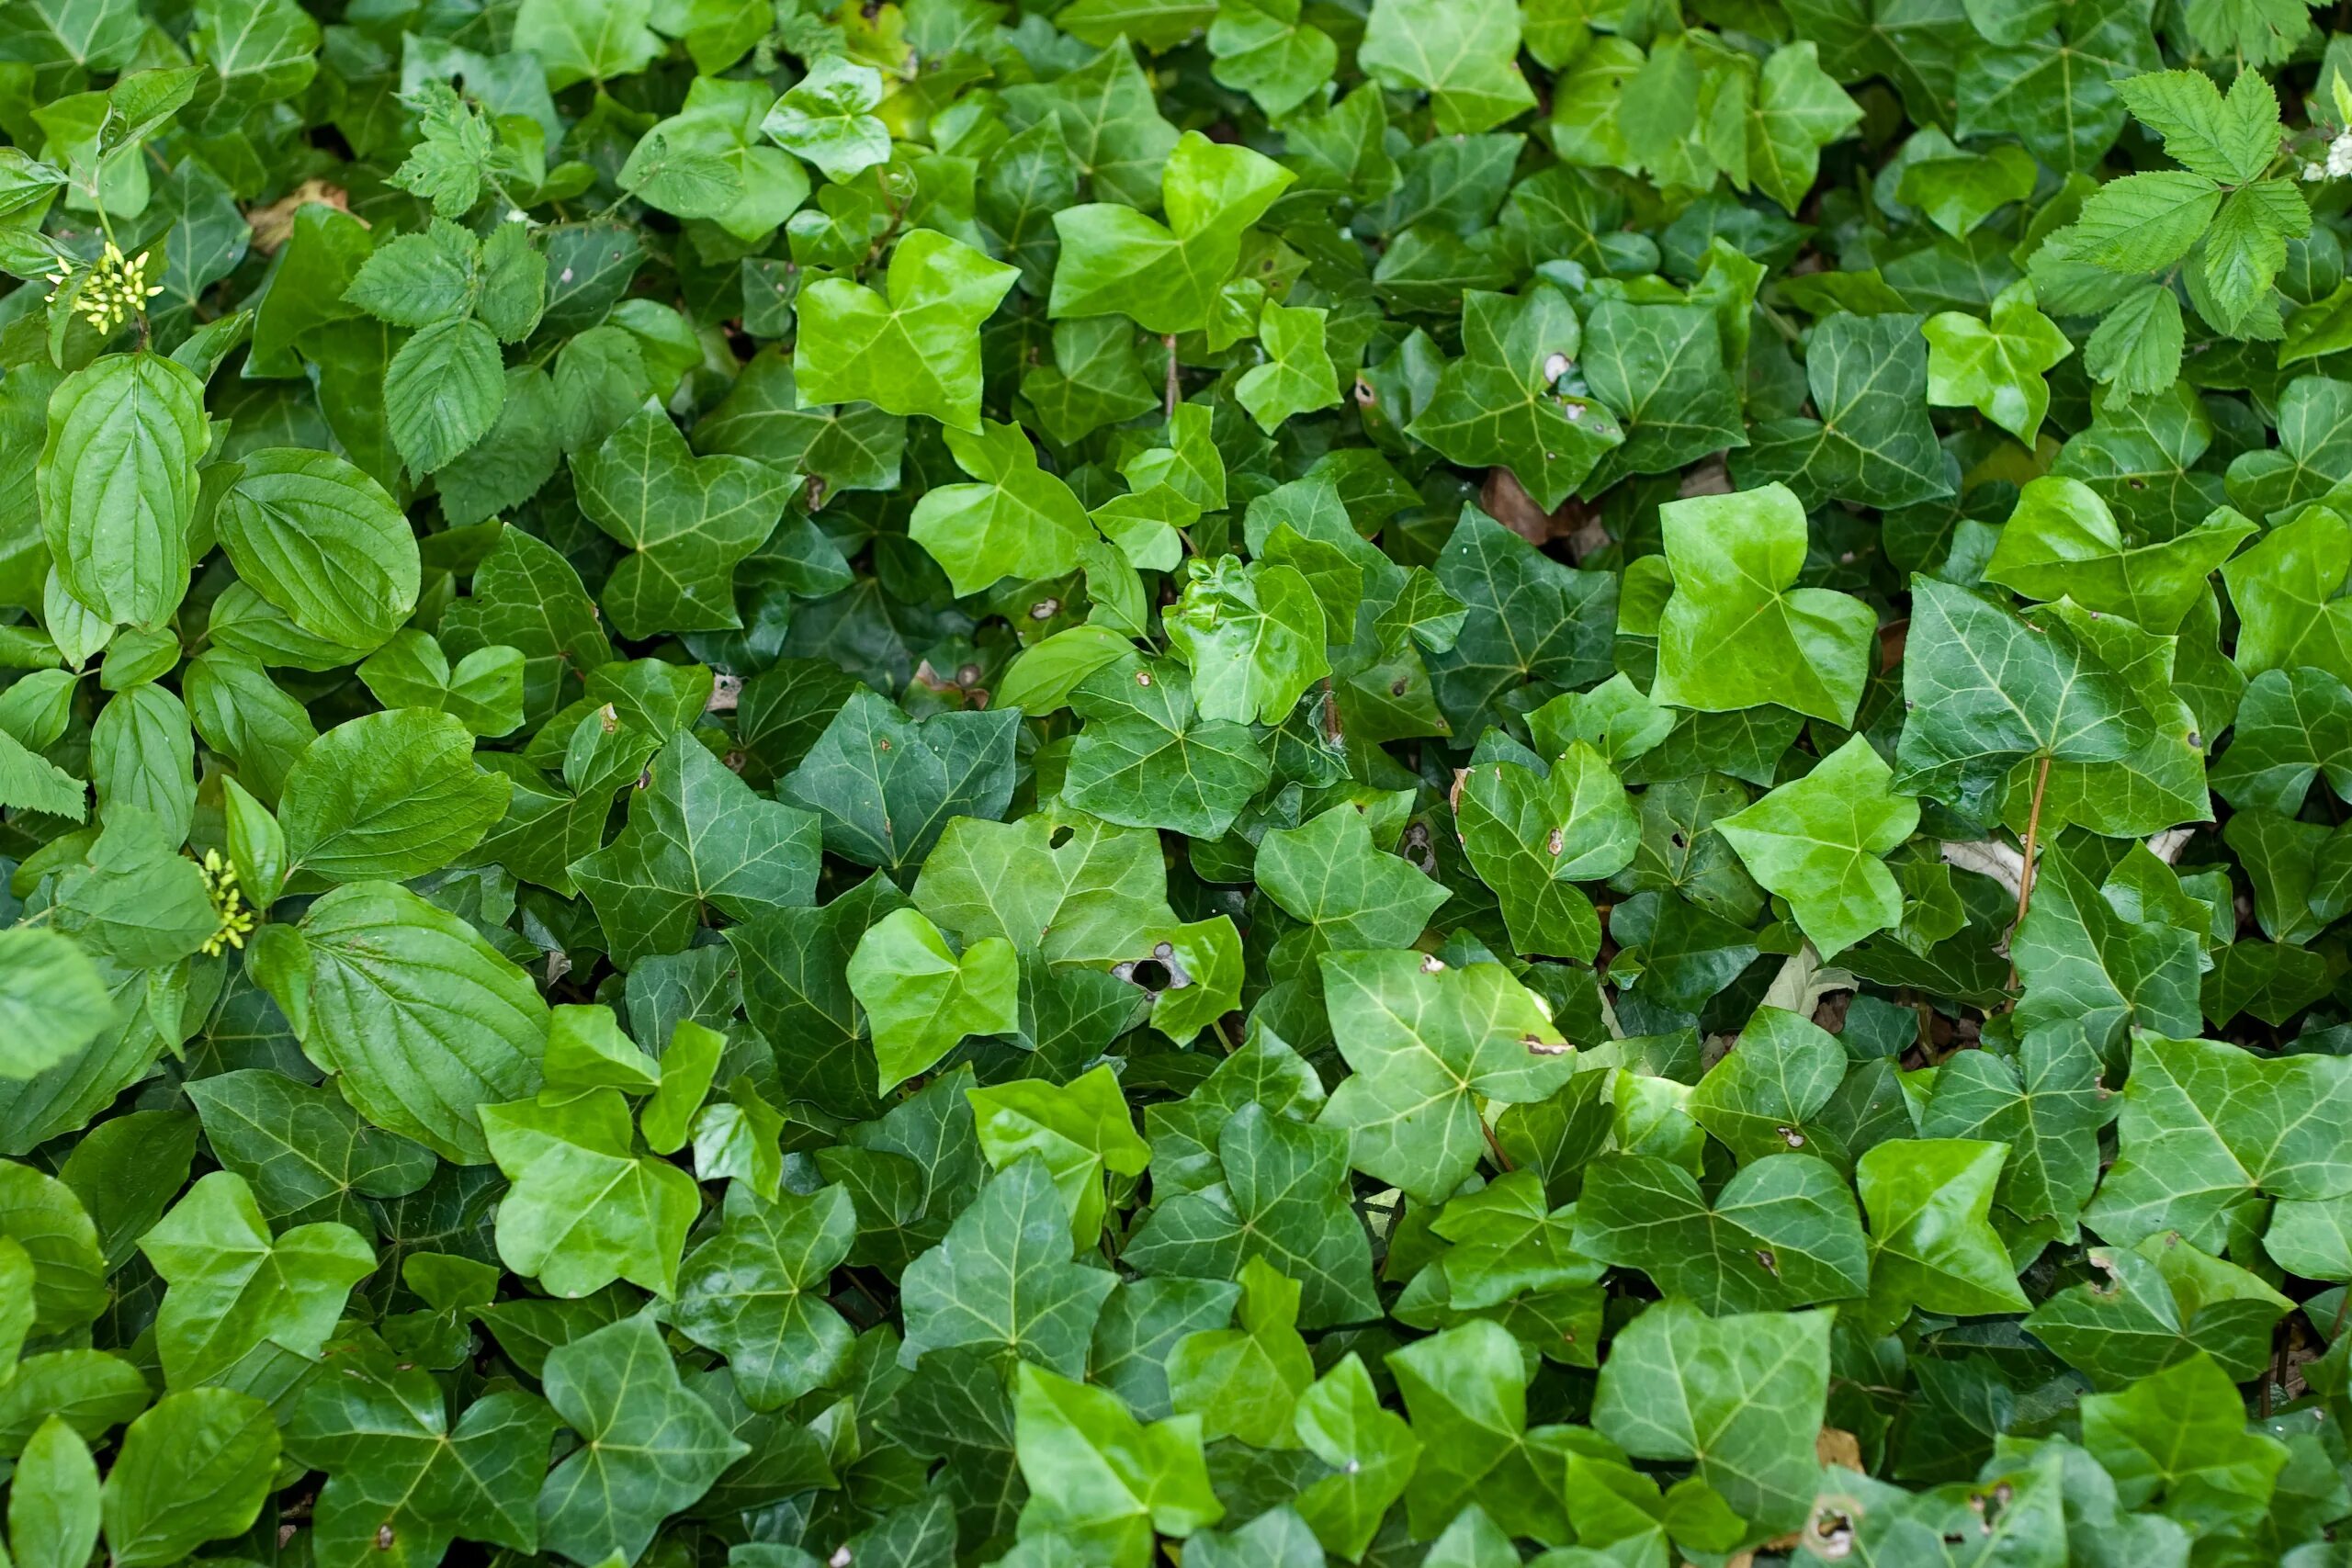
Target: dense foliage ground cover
{"x": 1249, "y": 784}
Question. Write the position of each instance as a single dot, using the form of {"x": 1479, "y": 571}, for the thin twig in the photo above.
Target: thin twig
{"x": 1174, "y": 392}
{"x": 2025, "y": 877}
{"x": 1493, "y": 1147}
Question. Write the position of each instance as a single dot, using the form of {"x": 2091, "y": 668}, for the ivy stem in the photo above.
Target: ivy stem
{"x": 2025, "y": 877}
{"x": 1173, "y": 391}
{"x": 1493, "y": 1147}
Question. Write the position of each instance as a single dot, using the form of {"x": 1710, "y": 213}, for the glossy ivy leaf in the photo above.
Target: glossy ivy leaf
{"x": 690, "y": 521}
{"x": 1151, "y": 759}
{"x": 1817, "y": 841}
{"x": 826, "y": 117}
{"x": 1990, "y": 690}
{"x": 1109, "y": 1480}
{"x": 1532, "y": 837}
{"x": 650, "y": 1447}
{"x": 922, "y": 997}
{"x": 586, "y": 1207}
{"x": 1932, "y": 1243}
{"x": 2206, "y": 1130}
{"x": 1283, "y": 1199}
{"x": 1461, "y": 52}
{"x": 2064, "y": 542}
{"x": 1496, "y": 403}
{"x": 1997, "y": 366}
{"x": 697, "y": 840}
{"x": 1426, "y": 1043}
{"x": 754, "y": 1291}
{"x": 885, "y": 786}
{"x": 240, "y": 1302}
{"x": 1002, "y": 1280}
{"x": 916, "y": 349}
{"x": 1245, "y": 1382}
{"x": 1165, "y": 277}
{"x": 1782, "y": 1233}
{"x": 402, "y": 1478}
{"x": 1742, "y": 1396}
{"x": 1737, "y": 632}
{"x": 1873, "y": 443}
{"x": 2179, "y": 1440}
{"x": 1253, "y": 637}
{"x": 1017, "y": 520}
{"x": 1465, "y": 1392}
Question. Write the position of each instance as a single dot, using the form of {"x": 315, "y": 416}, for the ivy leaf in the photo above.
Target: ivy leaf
{"x": 1165, "y": 277}
{"x": 1110, "y": 125}
{"x": 1372, "y": 1452}
{"x": 1997, "y": 366}
{"x": 1529, "y": 620}
{"x": 1873, "y": 443}
{"x": 689, "y": 520}
{"x": 1018, "y": 521}
{"x": 2292, "y": 727}
{"x": 884, "y": 785}
{"x": 402, "y": 1478}
{"x": 2062, "y": 542}
{"x": 1263, "y": 48}
{"x": 1932, "y": 1242}
{"x": 600, "y": 41}
{"x": 1461, "y": 52}
{"x": 1283, "y": 1199}
{"x": 1741, "y": 1395}
{"x": 1817, "y": 841}
{"x": 1988, "y": 691}
{"x": 1252, "y": 635}
{"x": 2285, "y": 590}
{"x": 1067, "y": 887}
{"x": 1466, "y": 1390}
{"x": 1782, "y": 1233}
{"x": 2054, "y": 88}
{"x": 2047, "y": 1105}
{"x": 1296, "y": 377}
{"x": 2087, "y": 963}
{"x": 1082, "y": 1130}
{"x": 240, "y": 1300}
{"x": 1496, "y": 403}
{"x": 1532, "y": 837}
{"x": 2207, "y": 1129}
{"x": 827, "y": 119}
{"x": 914, "y": 350}
{"x": 307, "y": 1155}
{"x": 1245, "y": 1382}
{"x": 1660, "y": 368}
{"x": 2155, "y": 1305}
{"x": 1426, "y": 1042}
{"x": 1764, "y": 1096}
{"x": 1799, "y": 111}
{"x": 1737, "y": 633}
{"x": 1002, "y": 1278}
{"x": 2177, "y": 1441}
{"x": 1329, "y": 873}
{"x": 586, "y": 1207}
{"x": 754, "y": 1291}
{"x": 1105, "y": 1481}
{"x": 698, "y": 839}
{"x": 921, "y": 998}
{"x": 1150, "y": 759}
{"x": 650, "y": 1447}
